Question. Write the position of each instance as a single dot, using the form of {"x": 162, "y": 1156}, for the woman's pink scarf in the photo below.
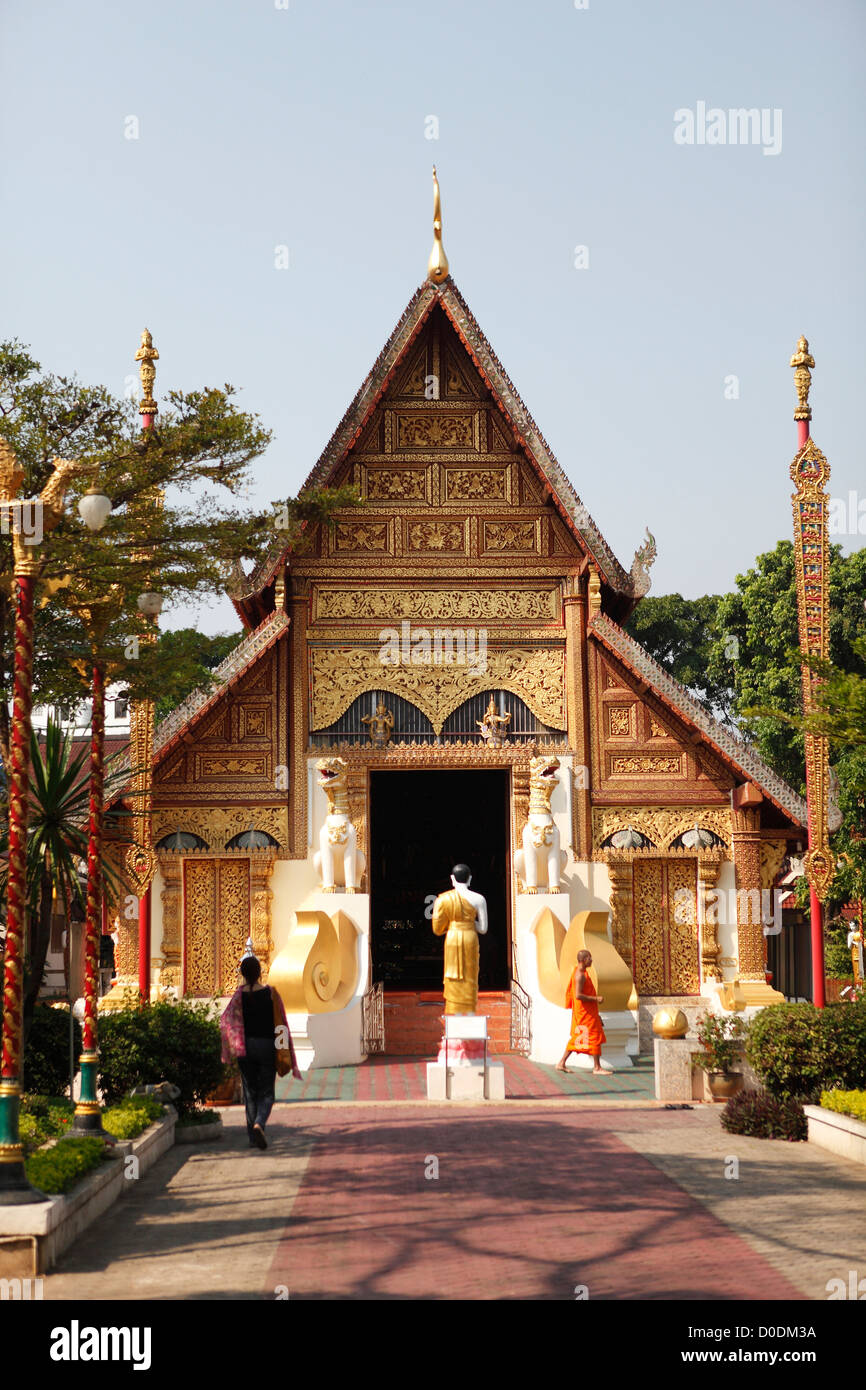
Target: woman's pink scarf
{"x": 234, "y": 1043}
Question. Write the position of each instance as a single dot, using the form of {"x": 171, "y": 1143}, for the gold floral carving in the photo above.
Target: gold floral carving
{"x": 709, "y": 868}
{"x": 458, "y": 605}
{"x": 470, "y": 484}
{"x": 656, "y": 730}
{"x": 682, "y": 904}
{"x": 233, "y": 767}
{"x": 362, "y": 535}
{"x": 435, "y": 429}
{"x": 649, "y": 944}
{"x": 200, "y": 915}
{"x": 619, "y": 719}
{"x": 341, "y": 674}
{"x": 655, "y": 765}
{"x": 751, "y": 942}
{"x": 509, "y": 535}
{"x": 436, "y": 535}
{"x": 386, "y": 483}
{"x": 660, "y": 824}
{"x": 772, "y": 855}
{"x": 172, "y": 899}
{"x": 234, "y": 920}
{"x": 217, "y": 825}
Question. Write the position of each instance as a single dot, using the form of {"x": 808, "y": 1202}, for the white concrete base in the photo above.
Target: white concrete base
{"x": 199, "y": 1134}
{"x": 841, "y": 1134}
{"x": 465, "y": 1082}
{"x": 333, "y": 1039}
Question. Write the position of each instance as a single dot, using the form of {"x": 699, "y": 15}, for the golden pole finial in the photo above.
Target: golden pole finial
{"x": 802, "y": 361}
{"x": 437, "y": 266}
{"x": 147, "y": 355}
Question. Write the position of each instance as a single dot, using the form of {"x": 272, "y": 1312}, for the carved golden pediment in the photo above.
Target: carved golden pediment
{"x": 341, "y": 674}
{"x": 454, "y": 605}
{"x": 216, "y": 825}
{"x": 660, "y": 824}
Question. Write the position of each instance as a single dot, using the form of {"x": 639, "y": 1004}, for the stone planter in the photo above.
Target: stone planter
{"x": 724, "y": 1084}
{"x": 34, "y": 1236}
{"x": 156, "y": 1140}
{"x": 199, "y": 1134}
{"x": 841, "y": 1134}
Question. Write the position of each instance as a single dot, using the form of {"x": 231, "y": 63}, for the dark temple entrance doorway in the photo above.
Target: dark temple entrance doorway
{"x": 421, "y": 825}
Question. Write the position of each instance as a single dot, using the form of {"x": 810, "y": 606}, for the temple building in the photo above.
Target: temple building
{"x": 443, "y": 675}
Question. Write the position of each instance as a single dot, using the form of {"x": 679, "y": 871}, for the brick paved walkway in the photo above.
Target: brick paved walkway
{"x": 405, "y": 1078}
{"x": 530, "y": 1201}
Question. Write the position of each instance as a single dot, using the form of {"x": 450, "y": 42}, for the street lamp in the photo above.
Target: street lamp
{"x": 48, "y": 509}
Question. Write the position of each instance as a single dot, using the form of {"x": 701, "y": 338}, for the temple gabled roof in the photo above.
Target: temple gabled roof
{"x": 631, "y": 584}
{"x": 732, "y": 749}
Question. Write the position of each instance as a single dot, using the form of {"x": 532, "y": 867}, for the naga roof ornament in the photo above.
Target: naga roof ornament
{"x": 437, "y": 266}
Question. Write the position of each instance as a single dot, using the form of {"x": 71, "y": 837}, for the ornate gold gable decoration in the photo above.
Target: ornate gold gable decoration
{"x": 341, "y": 674}
{"x": 661, "y": 825}
{"x": 216, "y": 826}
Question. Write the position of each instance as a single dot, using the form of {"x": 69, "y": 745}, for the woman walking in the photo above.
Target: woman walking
{"x": 255, "y": 1030}
{"x": 587, "y": 1034}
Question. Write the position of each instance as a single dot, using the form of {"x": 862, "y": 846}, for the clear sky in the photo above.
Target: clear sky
{"x": 307, "y": 126}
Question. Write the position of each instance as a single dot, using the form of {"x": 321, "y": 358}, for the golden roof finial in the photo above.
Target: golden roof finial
{"x": 147, "y": 355}
{"x": 437, "y": 266}
{"x": 802, "y": 361}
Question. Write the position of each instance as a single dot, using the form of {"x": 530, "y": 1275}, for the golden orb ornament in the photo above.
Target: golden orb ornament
{"x": 670, "y": 1023}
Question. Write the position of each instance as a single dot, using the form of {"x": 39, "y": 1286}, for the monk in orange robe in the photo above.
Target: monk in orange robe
{"x": 587, "y": 1034}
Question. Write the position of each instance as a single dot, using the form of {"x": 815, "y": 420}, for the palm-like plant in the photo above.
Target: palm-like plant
{"x": 56, "y": 845}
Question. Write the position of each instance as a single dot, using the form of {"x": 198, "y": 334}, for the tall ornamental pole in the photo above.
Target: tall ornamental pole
{"x": 810, "y": 473}
{"x": 140, "y": 858}
{"x": 46, "y": 512}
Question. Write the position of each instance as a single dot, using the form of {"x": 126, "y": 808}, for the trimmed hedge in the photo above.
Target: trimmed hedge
{"x": 178, "y": 1042}
{"x": 765, "y": 1116}
{"x": 59, "y": 1168}
{"x": 798, "y": 1050}
{"x": 851, "y": 1103}
{"x": 46, "y": 1056}
{"x": 132, "y": 1117}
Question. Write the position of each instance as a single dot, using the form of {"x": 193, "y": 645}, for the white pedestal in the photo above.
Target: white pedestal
{"x": 465, "y": 1082}
{"x": 463, "y": 1078}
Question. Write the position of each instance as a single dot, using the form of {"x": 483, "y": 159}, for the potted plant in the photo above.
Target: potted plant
{"x": 719, "y": 1035}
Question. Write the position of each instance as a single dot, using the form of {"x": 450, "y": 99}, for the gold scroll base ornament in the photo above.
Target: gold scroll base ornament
{"x": 140, "y": 868}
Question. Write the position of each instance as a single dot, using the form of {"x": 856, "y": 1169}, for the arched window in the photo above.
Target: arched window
{"x": 182, "y": 840}
{"x": 253, "y": 839}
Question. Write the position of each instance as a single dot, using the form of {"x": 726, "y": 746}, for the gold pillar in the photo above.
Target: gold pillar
{"x": 261, "y": 868}
{"x": 621, "y": 898}
{"x": 299, "y": 727}
{"x": 709, "y": 868}
{"x": 746, "y": 845}
{"x": 171, "y": 865}
{"x": 577, "y": 713}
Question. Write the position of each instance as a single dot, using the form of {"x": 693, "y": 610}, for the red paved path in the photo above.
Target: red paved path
{"x": 525, "y": 1206}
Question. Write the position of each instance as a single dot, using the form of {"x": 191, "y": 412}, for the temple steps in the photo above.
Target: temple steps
{"x": 413, "y": 1022}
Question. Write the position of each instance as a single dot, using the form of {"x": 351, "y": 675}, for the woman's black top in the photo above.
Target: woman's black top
{"x": 258, "y": 1009}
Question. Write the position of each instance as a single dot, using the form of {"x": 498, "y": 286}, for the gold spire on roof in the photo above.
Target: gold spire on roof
{"x": 802, "y": 361}
{"x": 437, "y": 266}
{"x": 147, "y": 355}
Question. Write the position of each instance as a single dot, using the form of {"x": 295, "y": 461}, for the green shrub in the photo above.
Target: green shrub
{"x": 765, "y": 1116}
{"x": 719, "y": 1035}
{"x": 132, "y": 1116}
{"x": 46, "y": 1055}
{"x": 43, "y": 1118}
{"x": 846, "y": 1103}
{"x": 201, "y": 1117}
{"x": 783, "y": 1046}
{"x": 843, "y": 1032}
{"x": 59, "y": 1168}
{"x": 799, "y": 1050}
{"x": 179, "y": 1043}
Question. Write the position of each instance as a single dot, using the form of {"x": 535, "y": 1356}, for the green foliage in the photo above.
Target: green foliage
{"x": 46, "y": 1056}
{"x": 179, "y": 1043}
{"x": 837, "y": 952}
{"x": 132, "y": 1116}
{"x": 202, "y": 1117}
{"x": 682, "y": 635}
{"x": 765, "y": 1116}
{"x": 58, "y": 1169}
{"x": 43, "y": 1118}
{"x": 187, "y": 650}
{"x": 797, "y": 1049}
{"x": 846, "y": 1103}
{"x": 719, "y": 1035}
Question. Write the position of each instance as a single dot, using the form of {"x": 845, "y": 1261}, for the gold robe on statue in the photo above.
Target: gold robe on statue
{"x": 453, "y": 915}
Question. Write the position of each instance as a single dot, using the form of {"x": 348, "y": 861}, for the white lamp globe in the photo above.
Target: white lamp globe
{"x": 150, "y": 604}
{"x": 93, "y": 508}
